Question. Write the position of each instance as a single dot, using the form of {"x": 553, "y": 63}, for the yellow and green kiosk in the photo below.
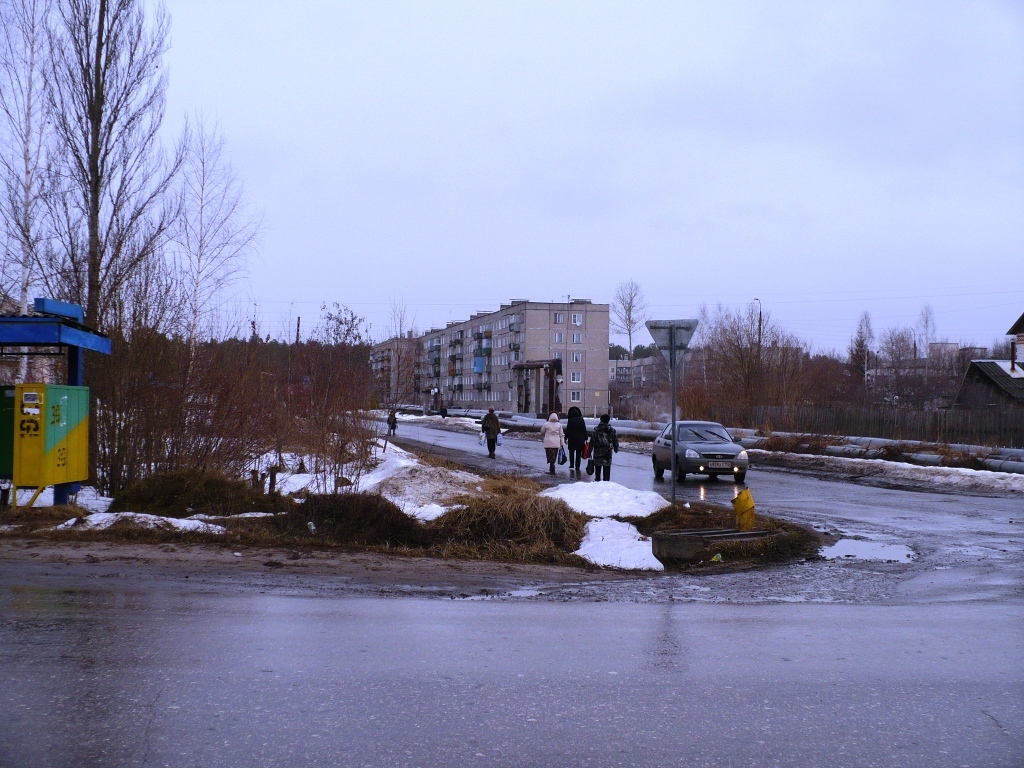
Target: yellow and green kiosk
{"x": 44, "y": 428}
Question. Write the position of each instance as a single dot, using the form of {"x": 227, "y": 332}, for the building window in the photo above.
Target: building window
{"x": 577, "y": 319}
{"x": 577, "y": 357}
{"x": 559, "y": 318}
{"x": 558, "y": 355}
{"x": 577, "y": 338}
{"x": 576, "y": 377}
{"x": 559, "y": 337}
{"x": 575, "y": 396}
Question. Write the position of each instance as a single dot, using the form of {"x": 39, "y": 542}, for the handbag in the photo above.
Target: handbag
{"x": 586, "y": 450}
{"x": 500, "y": 441}
{"x": 481, "y": 439}
{"x": 590, "y": 467}
{"x": 562, "y": 458}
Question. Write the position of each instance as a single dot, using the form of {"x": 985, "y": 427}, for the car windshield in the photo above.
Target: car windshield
{"x": 703, "y": 434}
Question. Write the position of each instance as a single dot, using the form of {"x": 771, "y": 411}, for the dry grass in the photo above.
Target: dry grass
{"x": 813, "y": 444}
{"x": 516, "y": 526}
{"x": 787, "y": 540}
{"x": 186, "y": 493}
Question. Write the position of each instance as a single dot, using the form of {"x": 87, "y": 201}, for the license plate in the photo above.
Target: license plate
{"x": 719, "y": 465}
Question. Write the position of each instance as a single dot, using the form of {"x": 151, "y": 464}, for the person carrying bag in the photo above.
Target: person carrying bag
{"x": 603, "y": 443}
{"x": 554, "y": 438}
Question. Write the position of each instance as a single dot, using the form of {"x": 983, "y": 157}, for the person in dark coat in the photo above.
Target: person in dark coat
{"x": 490, "y": 426}
{"x": 575, "y": 438}
{"x": 603, "y": 443}
{"x": 392, "y": 423}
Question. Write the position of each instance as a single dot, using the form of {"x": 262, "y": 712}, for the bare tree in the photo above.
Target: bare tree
{"x": 215, "y": 229}
{"x": 112, "y": 207}
{"x": 629, "y": 310}
{"x": 23, "y": 60}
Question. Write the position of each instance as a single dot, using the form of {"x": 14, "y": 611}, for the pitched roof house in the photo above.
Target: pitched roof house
{"x": 995, "y": 383}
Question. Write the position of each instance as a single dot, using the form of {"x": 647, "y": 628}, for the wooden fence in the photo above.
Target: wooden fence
{"x": 995, "y": 427}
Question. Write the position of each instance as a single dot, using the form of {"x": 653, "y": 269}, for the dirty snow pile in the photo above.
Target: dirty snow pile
{"x": 949, "y": 477}
{"x": 610, "y": 542}
{"x": 417, "y": 488}
{"x": 99, "y": 521}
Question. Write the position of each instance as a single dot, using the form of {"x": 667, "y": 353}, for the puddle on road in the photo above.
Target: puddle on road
{"x": 855, "y": 549}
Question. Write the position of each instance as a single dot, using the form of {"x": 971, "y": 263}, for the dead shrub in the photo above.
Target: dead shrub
{"x": 180, "y": 494}
{"x": 519, "y": 526}
{"x": 363, "y": 519}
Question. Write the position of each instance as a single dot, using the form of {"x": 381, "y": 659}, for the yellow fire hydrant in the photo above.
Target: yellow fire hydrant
{"x": 744, "y": 506}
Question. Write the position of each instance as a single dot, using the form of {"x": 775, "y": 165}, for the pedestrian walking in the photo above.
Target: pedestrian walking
{"x": 575, "y": 438}
{"x": 554, "y": 438}
{"x": 491, "y": 429}
{"x": 392, "y": 423}
{"x": 603, "y": 443}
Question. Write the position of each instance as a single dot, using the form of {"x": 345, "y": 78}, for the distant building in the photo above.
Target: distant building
{"x": 525, "y": 357}
{"x": 395, "y": 363}
{"x": 641, "y": 373}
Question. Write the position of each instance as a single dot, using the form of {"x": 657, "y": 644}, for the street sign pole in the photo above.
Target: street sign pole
{"x": 672, "y": 365}
{"x": 671, "y": 336}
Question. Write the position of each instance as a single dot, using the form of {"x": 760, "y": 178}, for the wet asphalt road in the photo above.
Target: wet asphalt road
{"x": 811, "y": 664}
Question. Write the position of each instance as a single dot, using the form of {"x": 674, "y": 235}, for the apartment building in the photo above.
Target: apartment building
{"x": 526, "y": 357}
{"x": 395, "y": 366}
{"x": 642, "y": 373}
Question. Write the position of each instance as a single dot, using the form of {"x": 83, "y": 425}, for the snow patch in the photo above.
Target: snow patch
{"x": 619, "y": 545}
{"x": 607, "y": 499}
{"x": 99, "y": 521}
{"x": 949, "y": 477}
{"x": 855, "y": 549}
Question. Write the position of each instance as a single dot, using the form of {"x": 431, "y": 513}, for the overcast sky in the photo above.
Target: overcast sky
{"x": 826, "y": 158}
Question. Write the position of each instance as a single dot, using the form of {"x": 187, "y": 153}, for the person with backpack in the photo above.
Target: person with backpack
{"x": 575, "y": 438}
{"x": 392, "y": 424}
{"x": 603, "y": 443}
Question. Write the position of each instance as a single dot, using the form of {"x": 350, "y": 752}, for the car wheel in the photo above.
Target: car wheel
{"x": 740, "y": 476}
{"x": 680, "y": 475}
{"x": 659, "y": 471}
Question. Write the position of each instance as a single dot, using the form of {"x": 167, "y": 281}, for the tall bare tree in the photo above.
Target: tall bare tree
{"x": 23, "y": 59}
{"x": 112, "y": 207}
{"x": 629, "y": 310}
{"x": 215, "y": 229}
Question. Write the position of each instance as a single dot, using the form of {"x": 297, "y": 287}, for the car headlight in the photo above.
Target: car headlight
{"x": 691, "y": 454}
{"x": 741, "y": 456}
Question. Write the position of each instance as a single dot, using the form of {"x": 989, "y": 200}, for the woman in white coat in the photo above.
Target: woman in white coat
{"x": 554, "y": 438}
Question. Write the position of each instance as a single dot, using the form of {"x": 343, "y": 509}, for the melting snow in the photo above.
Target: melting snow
{"x": 855, "y": 549}
{"x": 619, "y": 545}
{"x": 101, "y": 520}
{"x": 607, "y": 499}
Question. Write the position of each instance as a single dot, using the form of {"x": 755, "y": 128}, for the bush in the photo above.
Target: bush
{"x": 181, "y": 494}
{"x": 365, "y": 519}
{"x": 520, "y": 526}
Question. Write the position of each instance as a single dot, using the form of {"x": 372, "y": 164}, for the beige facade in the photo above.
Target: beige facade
{"x": 526, "y": 357}
{"x": 395, "y": 364}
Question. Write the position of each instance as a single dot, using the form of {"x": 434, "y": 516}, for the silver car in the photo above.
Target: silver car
{"x": 702, "y": 448}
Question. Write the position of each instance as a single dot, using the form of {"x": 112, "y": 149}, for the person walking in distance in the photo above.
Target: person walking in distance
{"x": 603, "y": 443}
{"x": 575, "y": 438}
{"x": 491, "y": 428}
{"x": 554, "y": 438}
{"x": 392, "y": 424}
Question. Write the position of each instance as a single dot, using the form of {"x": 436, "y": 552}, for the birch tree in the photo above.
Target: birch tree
{"x": 629, "y": 310}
